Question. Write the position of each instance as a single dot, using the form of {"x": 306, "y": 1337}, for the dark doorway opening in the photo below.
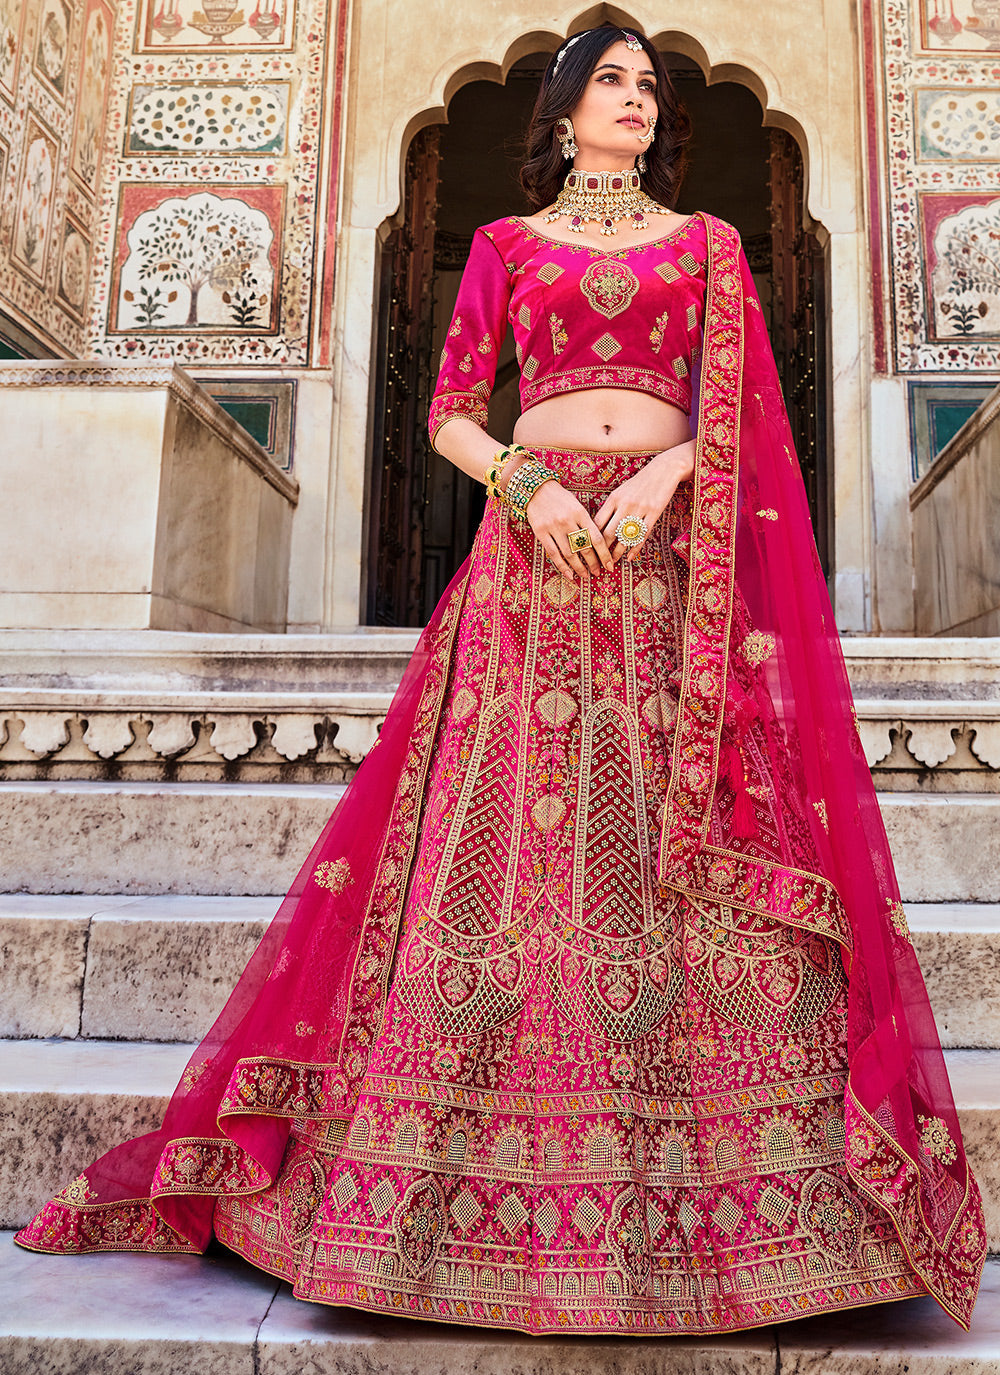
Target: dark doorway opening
{"x": 423, "y": 511}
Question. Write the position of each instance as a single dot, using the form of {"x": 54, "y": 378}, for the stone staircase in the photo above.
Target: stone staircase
{"x": 101, "y": 996}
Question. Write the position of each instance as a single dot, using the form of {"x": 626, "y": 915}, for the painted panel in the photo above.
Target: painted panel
{"x": 33, "y": 216}
{"x": 197, "y": 119}
{"x": 215, "y": 25}
{"x": 92, "y": 94}
{"x": 957, "y": 126}
{"x": 961, "y": 250}
{"x": 190, "y": 259}
{"x": 51, "y": 60}
{"x": 960, "y": 26}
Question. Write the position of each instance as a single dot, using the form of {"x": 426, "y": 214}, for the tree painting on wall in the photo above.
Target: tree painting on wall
{"x": 200, "y": 262}
{"x": 962, "y": 249}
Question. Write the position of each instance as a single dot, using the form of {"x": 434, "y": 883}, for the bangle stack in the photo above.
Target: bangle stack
{"x": 523, "y": 485}
{"x": 496, "y": 466}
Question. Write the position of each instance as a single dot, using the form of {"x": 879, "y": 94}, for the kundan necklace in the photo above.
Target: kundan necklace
{"x": 606, "y": 197}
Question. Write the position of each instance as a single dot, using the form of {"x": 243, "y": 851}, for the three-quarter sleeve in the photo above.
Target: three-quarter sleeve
{"x": 475, "y": 335}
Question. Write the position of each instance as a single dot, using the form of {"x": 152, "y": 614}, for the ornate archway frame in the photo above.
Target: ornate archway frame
{"x": 407, "y": 58}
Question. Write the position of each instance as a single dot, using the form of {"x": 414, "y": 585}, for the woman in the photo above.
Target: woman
{"x": 593, "y": 1007}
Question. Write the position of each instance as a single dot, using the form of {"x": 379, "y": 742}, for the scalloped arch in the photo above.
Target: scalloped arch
{"x": 706, "y": 49}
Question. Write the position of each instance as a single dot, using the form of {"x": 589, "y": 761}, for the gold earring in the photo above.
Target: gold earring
{"x": 566, "y": 136}
{"x": 641, "y": 163}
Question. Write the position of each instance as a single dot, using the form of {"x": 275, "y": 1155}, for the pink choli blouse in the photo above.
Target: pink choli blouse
{"x": 582, "y": 317}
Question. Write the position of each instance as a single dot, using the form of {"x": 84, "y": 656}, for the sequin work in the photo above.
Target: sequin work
{"x": 591, "y": 1104}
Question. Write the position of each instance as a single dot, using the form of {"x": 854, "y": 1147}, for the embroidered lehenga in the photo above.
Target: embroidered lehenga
{"x": 593, "y": 1008}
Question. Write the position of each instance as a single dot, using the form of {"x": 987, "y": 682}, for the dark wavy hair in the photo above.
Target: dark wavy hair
{"x": 544, "y": 168}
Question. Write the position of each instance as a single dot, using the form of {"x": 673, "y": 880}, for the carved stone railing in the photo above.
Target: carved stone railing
{"x": 306, "y": 708}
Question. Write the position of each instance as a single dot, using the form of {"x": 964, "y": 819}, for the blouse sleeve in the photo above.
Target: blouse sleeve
{"x": 476, "y": 333}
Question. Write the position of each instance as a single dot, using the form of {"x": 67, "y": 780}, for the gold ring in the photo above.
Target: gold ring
{"x": 631, "y": 531}
{"x": 579, "y": 539}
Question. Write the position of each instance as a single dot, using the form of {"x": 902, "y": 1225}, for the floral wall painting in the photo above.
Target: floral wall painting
{"x": 192, "y": 261}
{"x": 956, "y": 125}
{"x": 92, "y": 94}
{"x": 52, "y": 45}
{"x": 74, "y": 268}
{"x": 215, "y": 25}
{"x": 960, "y": 25}
{"x": 961, "y": 236}
{"x": 33, "y": 213}
{"x": 11, "y": 37}
{"x": 218, "y": 117}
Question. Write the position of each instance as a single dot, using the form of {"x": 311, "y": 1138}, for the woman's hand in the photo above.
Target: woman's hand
{"x": 647, "y": 495}
{"x": 552, "y": 513}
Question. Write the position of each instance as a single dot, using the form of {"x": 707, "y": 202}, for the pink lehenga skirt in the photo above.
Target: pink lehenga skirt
{"x": 588, "y": 1103}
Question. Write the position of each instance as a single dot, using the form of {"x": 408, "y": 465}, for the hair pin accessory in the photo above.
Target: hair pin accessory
{"x": 632, "y": 42}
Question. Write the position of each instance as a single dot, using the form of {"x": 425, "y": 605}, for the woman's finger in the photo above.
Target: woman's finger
{"x": 555, "y": 555}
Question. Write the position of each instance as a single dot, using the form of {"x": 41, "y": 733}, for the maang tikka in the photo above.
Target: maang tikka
{"x": 566, "y": 136}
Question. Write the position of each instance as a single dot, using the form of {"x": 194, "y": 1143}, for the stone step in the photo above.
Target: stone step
{"x": 107, "y": 837}
{"x": 147, "y": 1315}
{"x": 161, "y": 968}
{"x": 63, "y": 1103}
{"x": 234, "y": 838}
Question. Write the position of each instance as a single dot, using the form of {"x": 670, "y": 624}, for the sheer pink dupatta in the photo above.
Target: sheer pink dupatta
{"x": 290, "y": 1042}
{"x": 762, "y": 654}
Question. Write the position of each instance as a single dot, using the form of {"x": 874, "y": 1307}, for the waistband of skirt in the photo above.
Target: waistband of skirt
{"x": 593, "y": 467}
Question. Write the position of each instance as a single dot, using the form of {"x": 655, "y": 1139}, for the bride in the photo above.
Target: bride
{"x": 593, "y": 1007}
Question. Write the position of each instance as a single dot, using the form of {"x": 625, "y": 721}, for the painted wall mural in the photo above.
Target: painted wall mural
{"x": 960, "y": 25}
{"x": 940, "y": 214}
{"x": 164, "y": 182}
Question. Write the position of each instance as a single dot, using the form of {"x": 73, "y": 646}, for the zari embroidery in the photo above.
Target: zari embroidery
{"x": 334, "y": 874}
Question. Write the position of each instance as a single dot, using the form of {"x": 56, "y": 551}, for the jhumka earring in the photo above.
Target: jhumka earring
{"x": 565, "y": 135}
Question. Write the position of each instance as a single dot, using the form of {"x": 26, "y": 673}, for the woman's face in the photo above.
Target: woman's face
{"x": 616, "y": 106}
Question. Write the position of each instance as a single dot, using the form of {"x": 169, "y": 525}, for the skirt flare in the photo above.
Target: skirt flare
{"x": 590, "y": 1103}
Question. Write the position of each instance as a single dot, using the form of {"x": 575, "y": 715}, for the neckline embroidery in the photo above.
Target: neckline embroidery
{"x": 606, "y": 252}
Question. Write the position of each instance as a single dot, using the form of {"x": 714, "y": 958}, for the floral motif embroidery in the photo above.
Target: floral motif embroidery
{"x": 78, "y": 1192}
{"x": 820, "y": 809}
{"x": 935, "y": 1140}
{"x": 609, "y": 286}
{"x": 334, "y": 874}
{"x": 768, "y": 513}
{"x": 897, "y": 916}
{"x": 485, "y": 345}
{"x": 455, "y": 328}
{"x": 466, "y": 363}
{"x": 757, "y": 647}
{"x": 657, "y": 332}
{"x": 559, "y": 336}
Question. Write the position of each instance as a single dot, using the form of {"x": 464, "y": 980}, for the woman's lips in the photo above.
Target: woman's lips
{"x": 631, "y": 122}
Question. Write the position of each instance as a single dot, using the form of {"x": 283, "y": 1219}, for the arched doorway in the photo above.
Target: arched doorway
{"x": 423, "y": 512}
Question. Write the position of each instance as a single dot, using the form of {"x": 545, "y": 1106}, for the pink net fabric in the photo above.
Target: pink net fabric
{"x": 769, "y": 814}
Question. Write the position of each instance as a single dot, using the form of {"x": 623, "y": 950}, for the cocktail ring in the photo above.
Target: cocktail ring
{"x": 631, "y": 530}
{"x": 579, "y": 539}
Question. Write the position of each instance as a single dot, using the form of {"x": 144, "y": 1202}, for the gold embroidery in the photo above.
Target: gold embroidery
{"x": 657, "y": 332}
{"x": 692, "y": 316}
{"x": 78, "y": 1192}
{"x": 549, "y": 273}
{"x": 609, "y": 286}
{"x": 606, "y": 347}
{"x": 485, "y": 344}
{"x": 559, "y": 336}
{"x": 757, "y": 647}
{"x": 768, "y": 513}
{"x": 820, "y": 809}
{"x": 301, "y": 1029}
{"x": 334, "y": 874}
{"x": 530, "y": 367}
{"x": 680, "y": 367}
{"x": 897, "y": 915}
{"x": 466, "y": 363}
{"x": 935, "y": 1140}
{"x": 548, "y": 812}
{"x": 524, "y": 316}
{"x": 691, "y": 264}
{"x": 560, "y": 591}
{"x": 668, "y": 272}
{"x": 456, "y": 327}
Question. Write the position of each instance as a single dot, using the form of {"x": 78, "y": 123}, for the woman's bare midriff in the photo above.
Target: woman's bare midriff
{"x": 604, "y": 419}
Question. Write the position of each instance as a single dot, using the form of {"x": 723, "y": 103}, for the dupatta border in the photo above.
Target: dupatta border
{"x": 708, "y": 615}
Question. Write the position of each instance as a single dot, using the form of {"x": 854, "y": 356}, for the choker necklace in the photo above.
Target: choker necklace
{"x": 605, "y": 197}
